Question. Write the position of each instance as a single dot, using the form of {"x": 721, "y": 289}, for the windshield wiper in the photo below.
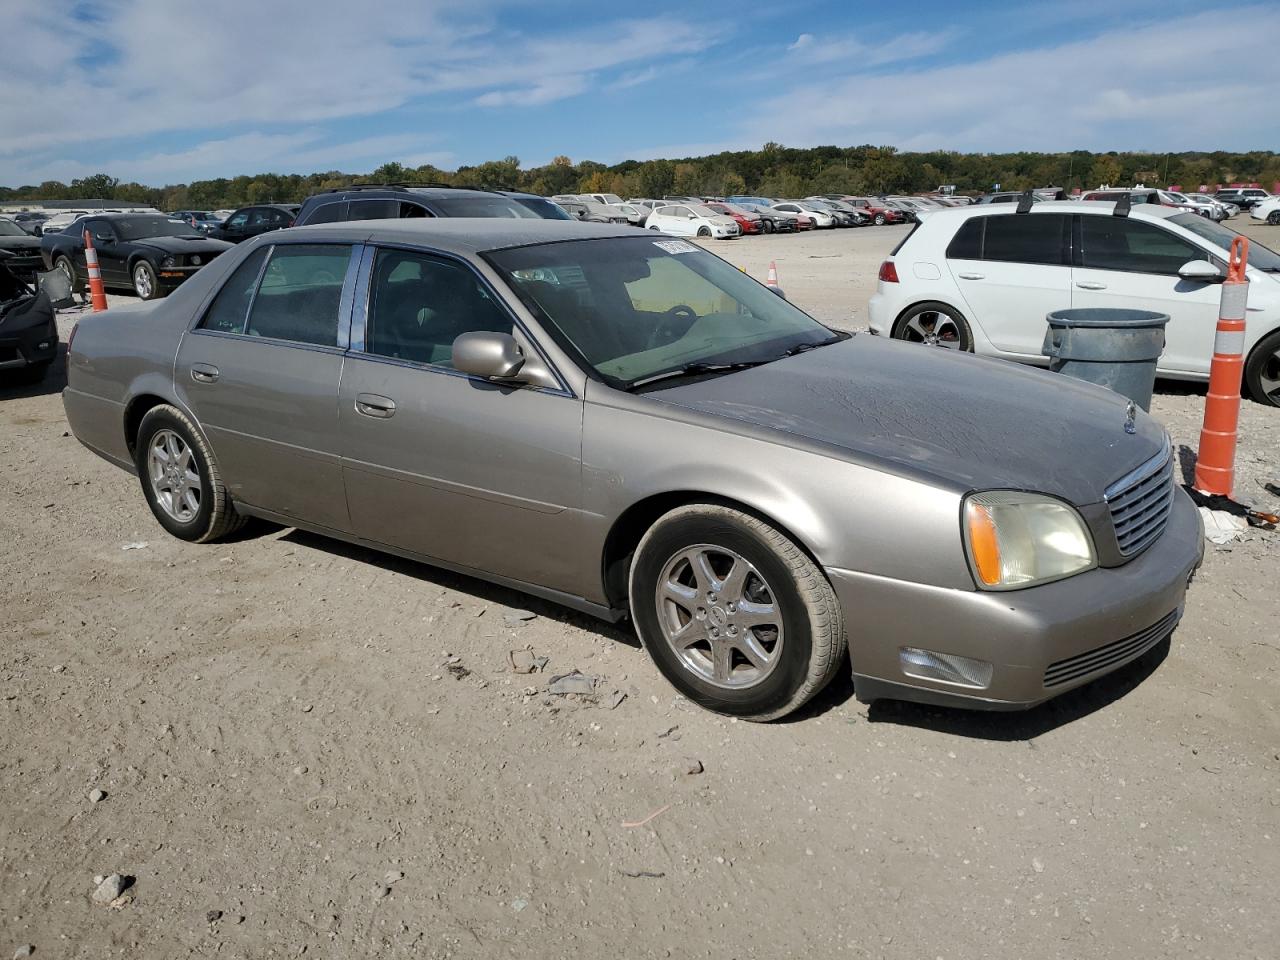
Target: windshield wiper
{"x": 693, "y": 369}
{"x": 803, "y": 347}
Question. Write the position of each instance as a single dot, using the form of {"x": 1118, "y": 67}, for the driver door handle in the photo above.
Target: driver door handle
{"x": 1089, "y": 285}
{"x": 375, "y": 405}
{"x": 972, "y": 276}
{"x": 204, "y": 373}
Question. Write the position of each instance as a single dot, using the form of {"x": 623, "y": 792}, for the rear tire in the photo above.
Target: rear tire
{"x": 779, "y": 630}
{"x": 1262, "y": 370}
{"x": 68, "y": 270}
{"x": 934, "y": 324}
{"x": 1273, "y": 218}
{"x": 184, "y": 488}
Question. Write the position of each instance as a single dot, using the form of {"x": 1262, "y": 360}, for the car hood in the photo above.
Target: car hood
{"x": 19, "y": 244}
{"x": 962, "y": 420}
{"x": 184, "y": 244}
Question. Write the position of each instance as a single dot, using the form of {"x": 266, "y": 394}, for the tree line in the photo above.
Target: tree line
{"x": 773, "y": 170}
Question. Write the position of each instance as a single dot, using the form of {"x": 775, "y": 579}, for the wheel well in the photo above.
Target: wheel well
{"x": 921, "y": 303}
{"x": 133, "y": 414}
{"x": 634, "y": 522}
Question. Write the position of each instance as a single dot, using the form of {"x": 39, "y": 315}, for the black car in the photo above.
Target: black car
{"x": 146, "y": 253}
{"x": 398, "y": 201}
{"x": 28, "y": 330}
{"x": 1242, "y": 197}
{"x": 250, "y": 221}
{"x": 24, "y": 250}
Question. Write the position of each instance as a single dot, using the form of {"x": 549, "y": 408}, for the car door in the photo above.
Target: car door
{"x": 260, "y": 371}
{"x": 1133, "y": 264}
{"x": 111, "y": 251}
{"x": 236, "y": 227}
{"x": 443, "y": 464}
{"x": 1012, "y": 269}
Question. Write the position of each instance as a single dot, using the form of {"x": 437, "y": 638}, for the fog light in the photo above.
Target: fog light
{"x": 946, "y": 667}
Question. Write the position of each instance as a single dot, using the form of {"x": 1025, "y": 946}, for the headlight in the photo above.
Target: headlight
{"x": 168, "y": 262}
{"x": 1017, "y": 540}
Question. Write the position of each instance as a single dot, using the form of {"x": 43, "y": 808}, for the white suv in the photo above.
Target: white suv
{"x": 983, "y": 278}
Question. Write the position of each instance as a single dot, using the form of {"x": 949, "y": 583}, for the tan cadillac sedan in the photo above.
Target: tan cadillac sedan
{"x": 628, "y": 425}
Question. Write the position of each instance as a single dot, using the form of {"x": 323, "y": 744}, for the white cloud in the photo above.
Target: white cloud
{"x": 856, "y": 52}
{"x": 1167, "y": 85}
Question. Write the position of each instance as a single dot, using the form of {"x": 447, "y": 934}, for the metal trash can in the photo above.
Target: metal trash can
{"x": 1112, "y": 347}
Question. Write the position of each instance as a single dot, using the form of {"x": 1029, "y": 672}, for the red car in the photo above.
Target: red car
{"x": 878, "y": 213}
{"x": 803, "y": 222}
{"x": 748, "y": 222}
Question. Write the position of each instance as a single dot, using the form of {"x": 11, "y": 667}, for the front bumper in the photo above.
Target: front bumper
{"x": 1041, "y": 642}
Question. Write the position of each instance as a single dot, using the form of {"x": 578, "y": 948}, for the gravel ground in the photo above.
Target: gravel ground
{"x": 307, "y": 748}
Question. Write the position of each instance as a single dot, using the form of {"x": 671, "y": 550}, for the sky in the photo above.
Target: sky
{"x": 169, "y": 91}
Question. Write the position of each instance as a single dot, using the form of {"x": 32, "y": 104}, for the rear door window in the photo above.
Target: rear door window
{"x": 1025, "y": 238}
{"x": 300, "y": 293}
{"x": 374, "y": 210}
{"x": 328, "y": 213}
{"x": 230, "y": 307}
{"x": 1121, "y": 243}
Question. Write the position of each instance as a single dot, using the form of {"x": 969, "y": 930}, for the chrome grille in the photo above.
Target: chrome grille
{"x": 1140, "y": 503}
{"x": 1111, "y": 654}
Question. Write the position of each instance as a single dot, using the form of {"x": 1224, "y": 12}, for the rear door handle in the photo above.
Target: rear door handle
{"x": 204, "y": 372}
{"x": 1086, "y": 285}
{"x": 972, "y": 276}
{"x": 375, "y": 405}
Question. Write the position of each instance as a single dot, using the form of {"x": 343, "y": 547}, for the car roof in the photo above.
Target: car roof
{"x": 464, "y": 235}
{"x": 1146, "y": 211}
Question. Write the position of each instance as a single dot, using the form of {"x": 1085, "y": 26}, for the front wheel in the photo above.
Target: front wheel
{"x": 733, "y": 613}
{"x": 68, "y": 270}
{"x": 145, "y": 284}
{"x": 766, "y": 226}
{"x": 180, "y": 478}
{"x": 935, "y": 325}
{"x": 704, "y": 231}
{"x": 1262, "y": 370}
{"x": 879, "y": 219}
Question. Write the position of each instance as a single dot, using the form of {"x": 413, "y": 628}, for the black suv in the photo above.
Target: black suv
{"x": 259, "y": 218}
{"x": 395, "y": 201}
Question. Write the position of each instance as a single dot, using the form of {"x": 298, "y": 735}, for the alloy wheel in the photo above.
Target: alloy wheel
{"x": 142, "y": 282}
{"x": 719, "y": 616}
{"x": 175, "y": 480}
{"x": 1269, "y": 377}
{"x": 933, "y": 328}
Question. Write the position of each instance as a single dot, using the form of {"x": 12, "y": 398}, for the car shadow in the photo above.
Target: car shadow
{"x": 11, "y": 387}
{"x": 480, "y": 589}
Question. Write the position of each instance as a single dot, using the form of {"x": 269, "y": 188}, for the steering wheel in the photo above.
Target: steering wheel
{"x": 666, "y": 332}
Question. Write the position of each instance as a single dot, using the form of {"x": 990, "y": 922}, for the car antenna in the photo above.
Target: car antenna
{"x": 1025, "y": 201}
{"x": 1123, "y": 205}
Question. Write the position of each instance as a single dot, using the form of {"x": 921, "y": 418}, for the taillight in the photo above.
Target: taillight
{"x": 888, "y": 272}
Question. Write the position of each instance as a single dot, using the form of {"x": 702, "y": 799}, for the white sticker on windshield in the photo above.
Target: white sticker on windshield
{"x": 675, "y": 246}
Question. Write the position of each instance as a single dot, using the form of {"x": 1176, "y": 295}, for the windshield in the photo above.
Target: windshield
{"x": 702, "y": 210}
{"x": 486, "y": 205}
{"x": 1260, "y": 257}
{"x": 611, "y": 198}
{"x": 10, "y": 229}
{"x": 140, "y": 228}
{"x": 634, "y": 307}
{"x": 544, "y": 208}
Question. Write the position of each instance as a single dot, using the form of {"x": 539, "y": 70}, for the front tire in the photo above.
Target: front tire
{"x": 936, "y": 325}
{"x": 879, "y": 219}
{"x": 704, "y": 231}
{"x": 180, "y": 478}
{"x": 145, "y": 284}
{"x": 68, "y": 270}
{"x": 733, "y": 613}
{"x": 1262, "y": 370}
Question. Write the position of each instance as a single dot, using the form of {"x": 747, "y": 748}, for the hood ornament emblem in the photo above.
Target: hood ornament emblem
{"x": 1130, "y": 418}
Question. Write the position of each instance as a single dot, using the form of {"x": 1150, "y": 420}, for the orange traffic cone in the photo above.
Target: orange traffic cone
{"x": 97, "y": 292}
{"x": 1215, "y": 464}
{"x": 772, "y": 279}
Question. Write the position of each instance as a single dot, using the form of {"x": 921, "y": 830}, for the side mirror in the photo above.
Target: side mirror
{"x": 1200, "y": 271}
{"x": 494, "y": 356}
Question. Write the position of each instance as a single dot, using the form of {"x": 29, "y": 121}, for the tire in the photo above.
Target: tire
{"x": 655, "y": 228}
{"x": 704, "y": 231}
{"x": 766, "y": 226}
{"x": 1262, "y": 370}
{"x": 879, "y": 219}
{"x": 145, "y": 283}
{"x": 1273, "y": 218}
{"x": 213, "y": 515}
{"x": 808, "y": 641}
{"x": 69, "y": 270}
{"x": 935, "y": 324}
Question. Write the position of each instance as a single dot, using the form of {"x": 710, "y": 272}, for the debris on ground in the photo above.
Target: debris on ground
{"x": 1225, "y": 519}
{"x": 136, "y": 545}
{"x": 692, "y": 767}
{"x": 25, "y": 950}
{"x": 97, "y": 796}
{"x": 518, "y": 905}
{"x": 392, "y": 876}
{"x": 212, "y": 916}
{"x": 671, "y": 733}
{"x": 524, "y": 661}
{"x": 640, "y": 823}
{"x": 112, "y": 888}
{"x": 517, "y": 617}
{"x": 574, "y": 683}
{"x": 643, "y": 874}
{"x": 1221, "y": 527}
{"x": 458, "y": 671}
{"x": 616, "y": 698}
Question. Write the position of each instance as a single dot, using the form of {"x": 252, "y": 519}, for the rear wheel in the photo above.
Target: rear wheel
{"x": 936, "y": 325}
{"x": 1262, "y": 370}
{"x": 68, "y": 270}
{"x": 1273, "y": 218}
{"x": 180, "y": 478}
{"x": 736, "y": 616}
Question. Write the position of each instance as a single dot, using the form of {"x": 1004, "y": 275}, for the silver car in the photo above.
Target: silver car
{"x": 630, "y": 426}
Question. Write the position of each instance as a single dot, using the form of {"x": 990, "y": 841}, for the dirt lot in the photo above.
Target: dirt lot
{"x": 294, "y": 762}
